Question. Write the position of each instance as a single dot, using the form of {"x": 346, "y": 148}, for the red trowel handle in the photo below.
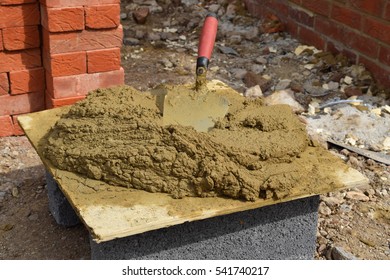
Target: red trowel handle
{"x": 206, "y": 43}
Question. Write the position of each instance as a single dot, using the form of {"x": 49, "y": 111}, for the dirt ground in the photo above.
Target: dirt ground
{"x": 357, "y": 220}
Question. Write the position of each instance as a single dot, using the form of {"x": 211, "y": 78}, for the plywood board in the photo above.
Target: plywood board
{"x": 115, "y": 212}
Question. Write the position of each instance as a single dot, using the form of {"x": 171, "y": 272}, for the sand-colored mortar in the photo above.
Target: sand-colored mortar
{"x": 116, "y": 135}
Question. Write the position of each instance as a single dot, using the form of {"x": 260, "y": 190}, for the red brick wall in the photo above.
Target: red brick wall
{"x": 52, "y": 52}
{"x": 22, "y": 77}
{"x": 358, "y": 28}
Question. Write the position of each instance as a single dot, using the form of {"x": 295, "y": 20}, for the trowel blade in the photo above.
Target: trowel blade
{"x": 199, "y": 110}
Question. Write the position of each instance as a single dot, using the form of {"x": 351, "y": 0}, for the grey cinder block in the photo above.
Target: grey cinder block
{"x": 283, "y": 231}
{"x": 59, "y": 206}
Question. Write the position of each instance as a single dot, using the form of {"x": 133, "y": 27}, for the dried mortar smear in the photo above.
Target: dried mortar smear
{"x": 257, "y": 152}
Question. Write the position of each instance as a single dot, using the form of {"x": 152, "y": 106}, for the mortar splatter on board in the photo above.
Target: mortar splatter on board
{"x": 256, "y": 152}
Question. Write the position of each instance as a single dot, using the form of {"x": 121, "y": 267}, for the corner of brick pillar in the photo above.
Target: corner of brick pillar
{"x": 22, "y": 84}
{"x": 81, "y": 48}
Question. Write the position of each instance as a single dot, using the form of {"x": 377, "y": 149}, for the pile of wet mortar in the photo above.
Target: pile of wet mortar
{"x": 256, "y": 152}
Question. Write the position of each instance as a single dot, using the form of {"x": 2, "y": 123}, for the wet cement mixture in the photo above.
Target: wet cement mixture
{"x": 256, "y": 152}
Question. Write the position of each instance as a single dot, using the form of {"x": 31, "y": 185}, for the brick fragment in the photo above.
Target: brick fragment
{"x": 85, "y": 40}
{"x": 19, "y": 38}
{"x": 19, "y": 15}
{"x": 66, "y": 64}
{"x": 27, "y": 81}
{"x": 80, "y": 85}
{"x": 20, "y": 60}
{"x": 21, "y": 103}
{"x": 104, "y": 60}
{"x": 63, "y": 19}
{"x": 4, "y": 84}
{"x": 141, "y": 15}
{"x": 6, "y": 126}
{"x": 103, "y": 16}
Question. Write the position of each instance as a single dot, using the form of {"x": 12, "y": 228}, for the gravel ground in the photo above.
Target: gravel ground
{"x": 353, "y": 223}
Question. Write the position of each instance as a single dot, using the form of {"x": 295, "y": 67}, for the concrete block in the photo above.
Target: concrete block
{"x": 282, "y": 231}
{"x": 59, "y": 206}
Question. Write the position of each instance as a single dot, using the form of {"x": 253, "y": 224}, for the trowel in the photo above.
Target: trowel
{"x": 197, "y": 106}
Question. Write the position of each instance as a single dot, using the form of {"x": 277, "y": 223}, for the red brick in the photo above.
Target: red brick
{"x": 279, "y": 7}
{"x": 63, "y": 19}
{"x": 377, "y": 29}
{"x": 387, "y": 11}
{"x": 20, "y": 38}
{"x": 75, "y": 3}
{"x": 27, "y": 81}
{"x": 299, "y": 2}
{"x": 18, "y": 131}
{"x": 21, "y": 103}
{"x": 336, "y": 48}
{"x": 292, "y": 27}
{"x": 20, "y": 60}
{"x": 59, "y": 102}
{"x": 6, "y": 126}
{"x": 373, "y": 7}
{"x": 20, "y": 15}
{"x": 4, "y": 84}
{"x": 1, "y": 40}
{"x": 15, "y": 2}
{"x": 80, "y": 85}
{"x": 311, "y": 37}
{"x": 66, "y": 64}
{"x": 361, "y": 43}
{"x": 106, "y": 16}
{"x": 104, "y": 60}
{"x": 85, "y": 40}
{"x": 346, "y": 16}
{"x": 384, "y": 55}
{"x": 321, "y": 7}
{"x": 329, "y": 28}
{"x": 381, "y": 73}
{"x": 302, "y": 17}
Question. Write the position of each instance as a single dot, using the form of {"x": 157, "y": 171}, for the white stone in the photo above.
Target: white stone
{"x": 309, "y": 66}
{"x": 284, "y": 97}
{"x": 377, "y": 112}
{"x": 348, "y": 80}
{"x": 300, "y": 49}
{"x": 386, "y": 143}
{"x": 273, "y": 49}
{"x": 254, "y": 92}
